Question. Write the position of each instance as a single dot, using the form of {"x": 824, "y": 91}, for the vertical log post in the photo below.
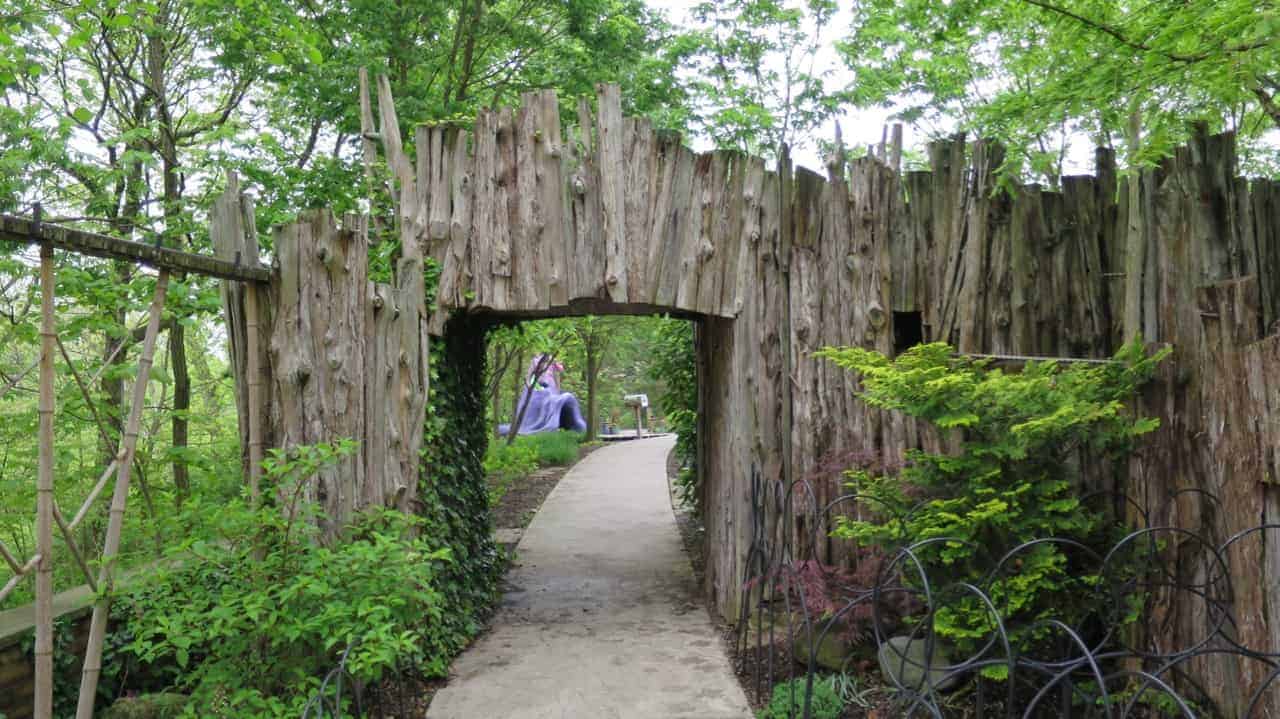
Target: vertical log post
{"x": 119, "y": 499}
{"x": 44, "y": 495}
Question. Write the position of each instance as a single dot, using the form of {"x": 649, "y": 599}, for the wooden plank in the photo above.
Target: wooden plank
{"x": 1265, "y": 199}
{"x": 411, "y": 216}
{"x": 455, "y": 273}
{"x": 505, "y": 207}
{"x": 671, "y": 226}
{"x": 716, "y": 216}
{"x": 528, "y": 221}
{"x": 1089, "y": 327}
{"x": 949, "y": 193}
{"x": 971, "y": 294}
{"x": 438, "y": 193}
{"x": 1024, "y": 242}
{"x": 735, "y": 238}
{"x": 641, "y": 175}
{"x": 742, "y": 274}
{"x": 21, "y": 229}
{"x": 659, "y": 213}
{"x": 695, "y": 244}
{"x": 587, "y": 280}
{"x": 484, "y": 181}
{"x": 612, "y": 164}
{"x": 554, "y": 202}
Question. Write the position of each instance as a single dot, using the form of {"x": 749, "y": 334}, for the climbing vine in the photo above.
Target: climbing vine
{"x": 452, "y": 491}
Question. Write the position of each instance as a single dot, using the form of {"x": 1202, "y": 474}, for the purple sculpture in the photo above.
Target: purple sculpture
{"x": 549, "y": 408}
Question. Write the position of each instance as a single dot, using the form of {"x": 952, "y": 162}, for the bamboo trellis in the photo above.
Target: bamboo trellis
{"x": 48, "y": 514}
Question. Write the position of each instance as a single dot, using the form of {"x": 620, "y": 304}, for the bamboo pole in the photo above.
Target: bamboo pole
{"x": 254, "y": 372}
{"x": 44, "y": 496}
{"x": 93, "y": 495}
{"x": 119, "y": 499}
{"x": 253, "y": 348}
{"x": 13, "y": 582}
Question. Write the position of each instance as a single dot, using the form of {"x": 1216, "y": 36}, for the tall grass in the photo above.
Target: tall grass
{"x": 555, "y": 449}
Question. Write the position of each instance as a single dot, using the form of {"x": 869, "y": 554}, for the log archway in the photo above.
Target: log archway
{"x": 529, "y": 216}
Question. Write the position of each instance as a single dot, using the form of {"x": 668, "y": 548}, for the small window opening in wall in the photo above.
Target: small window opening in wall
{"x": 908, "y": 331}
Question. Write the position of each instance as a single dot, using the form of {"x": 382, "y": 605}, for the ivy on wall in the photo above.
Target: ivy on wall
{"x": 454, "y": 499}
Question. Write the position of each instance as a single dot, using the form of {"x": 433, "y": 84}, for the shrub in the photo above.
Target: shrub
{"x": 788, "y": 700}
{"x": 554, "y": 449}
{"x": 1011, "y": 480}
{"x": 256, "y": 620}
{"x": 675, "y": 366}
{"x": 504, "y": 463}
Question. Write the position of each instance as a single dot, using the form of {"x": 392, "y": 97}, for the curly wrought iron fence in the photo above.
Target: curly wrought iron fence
{"x": 341, "y": 695}
{"x": 1093, "y": 664}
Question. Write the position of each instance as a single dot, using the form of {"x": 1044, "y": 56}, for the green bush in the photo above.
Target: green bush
{"x": 788, "y": 700}
{"x": 256, "y": 620}
{"x": 505, "y": 463}
{"x": 553, "y": 449}
{"x": 1011, "y": 480}
{"x": 675, "y": 366}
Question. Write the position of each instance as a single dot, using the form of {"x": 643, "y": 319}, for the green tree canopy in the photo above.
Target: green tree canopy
{"x": 1029, "y": 72}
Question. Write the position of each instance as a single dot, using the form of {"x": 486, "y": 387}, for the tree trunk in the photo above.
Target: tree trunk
{"x": 157, "y": 73}
{"x": 593, "y": 375}
{"x": 181, "y": 406}
{"x": 518, "y": 386}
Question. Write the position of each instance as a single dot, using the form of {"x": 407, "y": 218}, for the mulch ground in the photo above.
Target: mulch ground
{"x": 523, "y": 498}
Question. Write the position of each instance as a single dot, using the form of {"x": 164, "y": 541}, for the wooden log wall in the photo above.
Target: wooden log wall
{"x": 1034, "y": 272}
{"x": 530, "y": 216}
{"x": 342, "y": 357}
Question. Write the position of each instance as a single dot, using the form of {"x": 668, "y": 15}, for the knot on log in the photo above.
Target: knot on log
{"x": 612, "y": 280}
{"x": 754, "y": 237}
{"x": 705, "y": 250}
{"x": 302, "y": 374}
{"x": 378, "y": 302}
{"x": 876, "y": 316}
{"x": 579, "y": 187}
{"x": 397, "y": 496}
{"x": 851, "y": 262}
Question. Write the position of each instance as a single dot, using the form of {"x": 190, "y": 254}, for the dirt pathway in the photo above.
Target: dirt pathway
{"x": 602, "y": 620}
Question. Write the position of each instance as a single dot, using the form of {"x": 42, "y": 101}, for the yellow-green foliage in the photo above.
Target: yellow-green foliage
{"x": 1011, "y": 481}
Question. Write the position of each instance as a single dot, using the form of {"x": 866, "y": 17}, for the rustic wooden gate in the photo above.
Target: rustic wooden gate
{"x": 48, "y": 514}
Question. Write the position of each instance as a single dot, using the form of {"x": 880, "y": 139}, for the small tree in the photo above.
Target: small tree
{"x": 1010, "y": 482}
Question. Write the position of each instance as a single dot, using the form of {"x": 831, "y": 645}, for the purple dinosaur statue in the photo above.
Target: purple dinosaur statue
{"x": 549, "y": 409}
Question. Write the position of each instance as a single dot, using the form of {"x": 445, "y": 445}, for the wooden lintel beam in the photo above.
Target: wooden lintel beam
{"x": 21, "y": 229}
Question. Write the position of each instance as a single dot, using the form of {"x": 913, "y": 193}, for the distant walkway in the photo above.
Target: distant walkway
{"x": 603, "y": 620}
